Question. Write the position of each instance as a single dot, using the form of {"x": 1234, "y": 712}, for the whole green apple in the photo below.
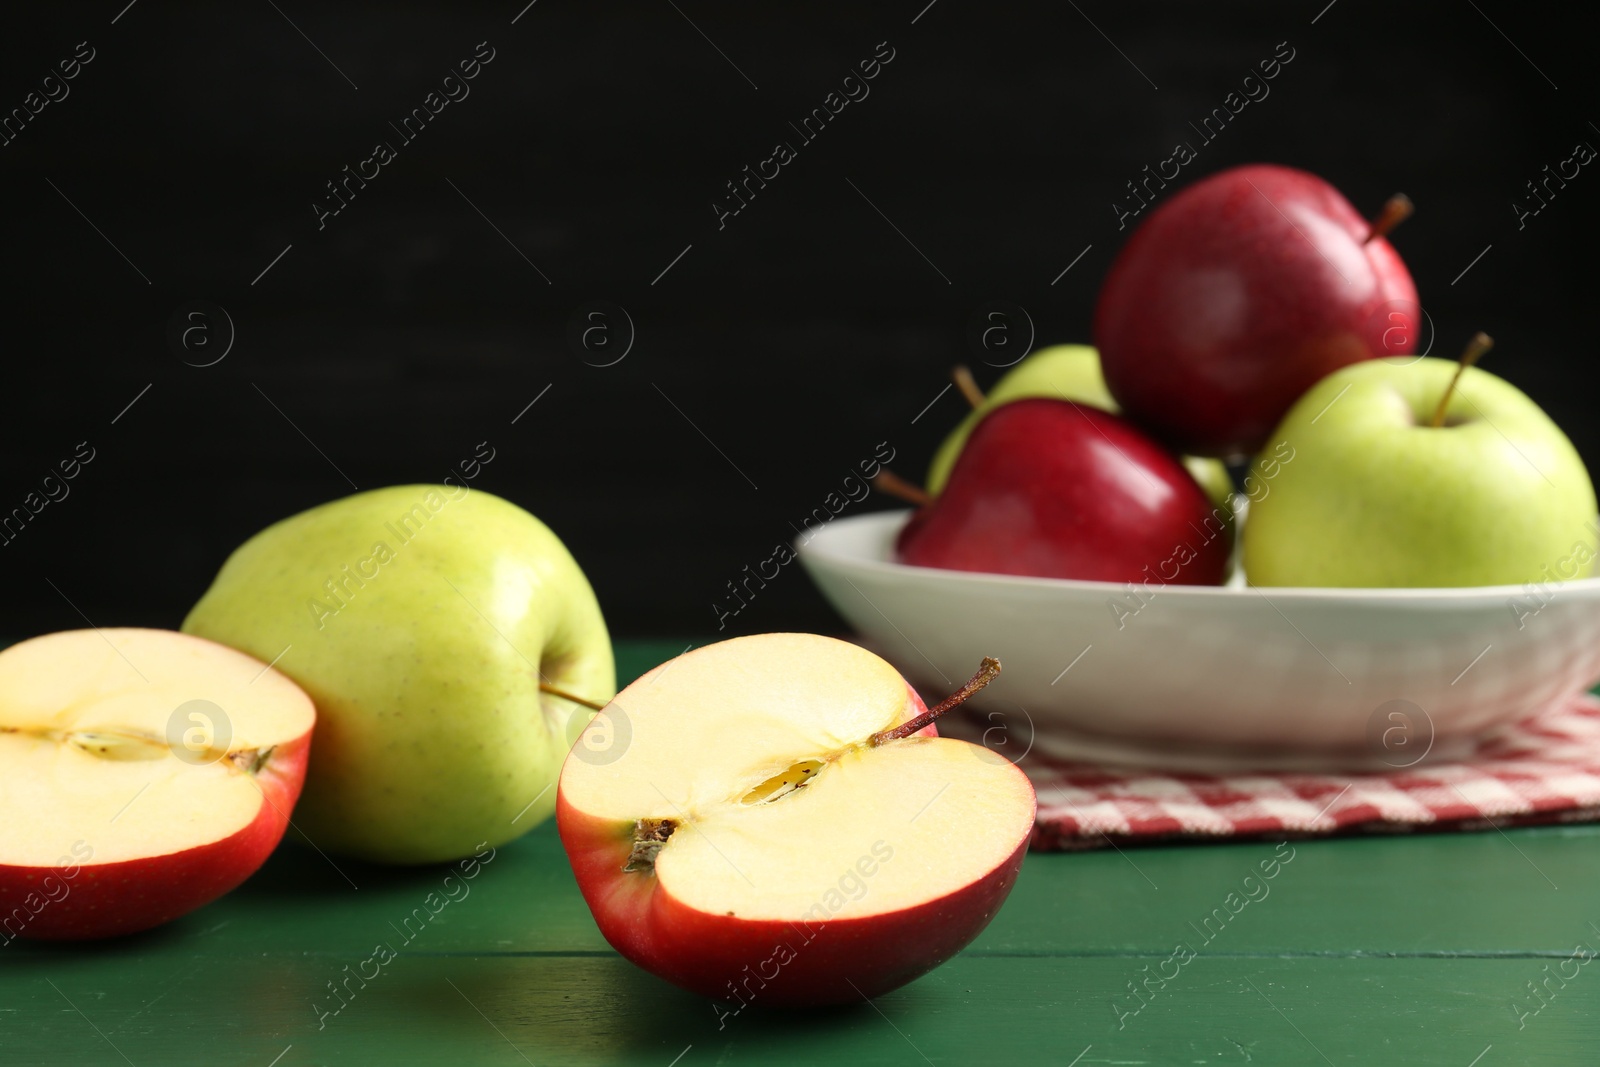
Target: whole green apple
{"x": 420, "y": 619}
{"x": 1359, "y": 490}
{"x": 1066, "y": 372}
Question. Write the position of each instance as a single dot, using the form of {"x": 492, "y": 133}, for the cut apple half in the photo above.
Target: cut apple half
{"x": 143, "y": 773}
{"x": 765, "y": 835}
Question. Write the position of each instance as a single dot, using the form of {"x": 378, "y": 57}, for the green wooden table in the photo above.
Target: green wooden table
{"x": 1375, "y": 950}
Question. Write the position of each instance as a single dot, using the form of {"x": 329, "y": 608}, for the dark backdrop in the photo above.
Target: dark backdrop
{"x": 774, "y": 354}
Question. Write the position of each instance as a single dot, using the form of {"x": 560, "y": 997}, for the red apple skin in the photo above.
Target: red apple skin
{"x": 726, "y": 958}
{"x": 111, "y": 899}
{"x": 1237, "y": 295}
{"x": 1056, "y": 489}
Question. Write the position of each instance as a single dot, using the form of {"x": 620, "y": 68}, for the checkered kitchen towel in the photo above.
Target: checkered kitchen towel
{"x": 1542, "y": 770}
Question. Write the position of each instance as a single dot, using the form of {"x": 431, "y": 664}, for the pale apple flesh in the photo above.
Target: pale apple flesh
{"x": 752, "y": 845}
{"x": 117, "y": 816}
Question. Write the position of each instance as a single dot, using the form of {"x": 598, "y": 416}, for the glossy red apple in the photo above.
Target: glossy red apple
{"x": 143, "y": 773}
{"x": 747, "y": 822}
{"x": 1237, "y": 295}
{"x": 1057, "y": 489}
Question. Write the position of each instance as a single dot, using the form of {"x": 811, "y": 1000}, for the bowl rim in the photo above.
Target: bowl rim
{"x": 818, "y": 545}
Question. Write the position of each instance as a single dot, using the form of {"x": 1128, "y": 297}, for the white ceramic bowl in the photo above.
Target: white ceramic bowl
{"x": 1217, "y": 678}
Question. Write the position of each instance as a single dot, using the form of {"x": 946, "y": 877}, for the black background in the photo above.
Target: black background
{"x": 796, "y": 339}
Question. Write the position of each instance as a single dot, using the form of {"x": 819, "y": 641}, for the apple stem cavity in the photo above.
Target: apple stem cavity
{"x": 1396, "y": 210}
{"x": 546, "y": 687}
{"x": 891, "y": 484}
{"x": 251, "y": 760}
{"x": 1476, "y": 349}
{"x": 987, "y": 670}
{"x": 649, "y": 835}
{"x": 962, "y": 376}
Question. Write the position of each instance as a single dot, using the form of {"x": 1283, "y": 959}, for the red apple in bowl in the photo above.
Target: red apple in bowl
{"x": 143, "y": 773}
{"x": 1237, "y": 295}
{"x": 1057, "y": 489}
{"x": 773, "y": 819}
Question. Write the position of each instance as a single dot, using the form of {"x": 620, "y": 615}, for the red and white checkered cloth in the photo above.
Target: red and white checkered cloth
{"x": 1542, "y": 770}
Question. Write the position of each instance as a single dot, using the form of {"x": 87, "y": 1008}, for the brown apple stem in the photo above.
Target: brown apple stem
{"x": 962, "y": 376}
{"x": 889, "y": 483}
{"x": 1396, "y": 210}
{"x": 986, "y": 674}
{"x": 1476, "y": 349}
{"x": 546, "y": 687}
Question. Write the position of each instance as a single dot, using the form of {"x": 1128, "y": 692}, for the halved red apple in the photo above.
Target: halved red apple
{"x": 143, "y": 773}
{"x": 760, "y": 832}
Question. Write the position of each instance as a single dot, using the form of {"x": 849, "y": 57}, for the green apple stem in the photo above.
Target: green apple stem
{"x": 962, "y": 376}
{"x": 546, "y": 687}
{"x": 986, "y": 674}
{"x": 1475, "y": 350}
{"x": 1396, "y": 210}
{"x": 889, "y": 483}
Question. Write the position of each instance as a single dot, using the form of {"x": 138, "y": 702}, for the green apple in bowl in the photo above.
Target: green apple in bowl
{"x": 429, "y": 624}
{"x": 1365, "y": 491}
{"x": 1065, "y": 372}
